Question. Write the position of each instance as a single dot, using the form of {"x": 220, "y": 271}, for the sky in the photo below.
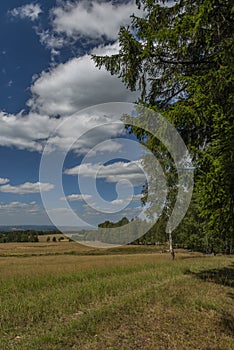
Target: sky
{"x": 63, "y": 160}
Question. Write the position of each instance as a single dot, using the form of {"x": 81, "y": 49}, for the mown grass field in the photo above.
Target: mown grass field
{"x": 56, "y": 296}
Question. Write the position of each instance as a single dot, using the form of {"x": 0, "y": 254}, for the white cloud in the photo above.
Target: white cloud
{"x": 71, "y": 133}
{"x": 20, "y": 213}
{"x": 77, "y": 197}
{"x": 32, "y": 131}
{"x": 27, "y": 188}
{"x": 84, "y": 197}
{"x": 25, "y": 132}
{"x": 104, "y": 147}
{"x": 92, "y": 19}
{"x": 3, "y": 181}
{"x": 121, "y": 201}
{"x": 115, "y": 172}
{"x": 64, "y": 90}
{"x": 13, "y": 206}
{"x": 50, "y": 40}
{"x": 76, "y": 84}
{"x": 31, "y": 11}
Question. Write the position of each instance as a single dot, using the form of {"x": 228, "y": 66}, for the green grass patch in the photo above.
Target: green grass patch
{"x": 139, "y": 301}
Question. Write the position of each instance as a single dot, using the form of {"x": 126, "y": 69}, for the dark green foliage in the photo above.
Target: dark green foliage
{"x": 181, "y": 58}
{"x": 24, "y": 235}
{"x": 19, "y": 236}
{"x": 190, "y": 234}
{"x": 109, "y": 224}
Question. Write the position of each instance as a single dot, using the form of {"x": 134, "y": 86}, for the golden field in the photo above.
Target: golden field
{"x": 66, "y": 296}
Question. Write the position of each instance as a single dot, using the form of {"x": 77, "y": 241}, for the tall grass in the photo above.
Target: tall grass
{"x": 141, "y": 301}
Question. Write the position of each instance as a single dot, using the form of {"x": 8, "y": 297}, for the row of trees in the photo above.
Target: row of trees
{"x": 121, "y": 232}
{"x": 189, "y": 235}
{"x": 26, "y": 235}
{"x": 181, "y": 58}
{"x": 19, "y": 236}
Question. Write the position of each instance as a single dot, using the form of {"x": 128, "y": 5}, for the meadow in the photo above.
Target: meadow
{"x": 66, "y": 296}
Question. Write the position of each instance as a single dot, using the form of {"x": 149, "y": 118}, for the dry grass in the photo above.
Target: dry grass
{"x": 42, "y": 247}
{"x": 120, "y": 302}
{"x": 66, "y": 247}
{"x": 43, "y": 238}
{"x": 11, "y": 267}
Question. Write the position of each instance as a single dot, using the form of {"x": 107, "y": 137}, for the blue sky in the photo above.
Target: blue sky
{"x": 46, "y": 79}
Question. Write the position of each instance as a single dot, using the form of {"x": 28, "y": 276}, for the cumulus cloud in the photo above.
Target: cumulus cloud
{"x": 77, "y": 197}
{"x": 109, "y": 146}
{"x": 32, "y": 131}
{"x": 84, "y": 197}
{"x": 21, "y": 213}
{"x": 27, "y": 188}
{"x": 64, "y": 90}
{"x": 13, "y": 206}
{"x": 92, "y": 19}
{"x": 3, "y": 181}
{"x": 121, "y": 201}
{"x": 25, "y": 132}
{"x": 115, "y": 172}
{"x": 31, "y": 11}
{"x": 76, "y": 84}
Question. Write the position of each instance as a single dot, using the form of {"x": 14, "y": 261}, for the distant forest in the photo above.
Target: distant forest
{"x": 24, "y": 236}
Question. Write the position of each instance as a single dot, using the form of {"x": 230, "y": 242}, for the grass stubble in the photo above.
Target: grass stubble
{"x": 115, "y": 301}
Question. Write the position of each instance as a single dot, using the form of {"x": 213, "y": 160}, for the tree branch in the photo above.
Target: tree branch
{"x": 163, "y": 60}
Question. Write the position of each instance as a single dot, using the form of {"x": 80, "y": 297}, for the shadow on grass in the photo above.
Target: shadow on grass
{"x": 227, "y": 323}
{"x": 231, "y": 295}
{"x": 224, "y": 276}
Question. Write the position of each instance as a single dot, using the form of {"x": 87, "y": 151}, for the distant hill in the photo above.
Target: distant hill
{"x": 27, "y": 227}
{"x": 40, "y": 228}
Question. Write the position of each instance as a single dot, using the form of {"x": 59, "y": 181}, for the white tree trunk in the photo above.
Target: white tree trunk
{"x": 171, "y": 246}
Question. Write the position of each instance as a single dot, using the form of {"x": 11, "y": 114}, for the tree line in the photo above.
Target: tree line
{"x": 24, "y": 235}
{"x": 181, "y": 59}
